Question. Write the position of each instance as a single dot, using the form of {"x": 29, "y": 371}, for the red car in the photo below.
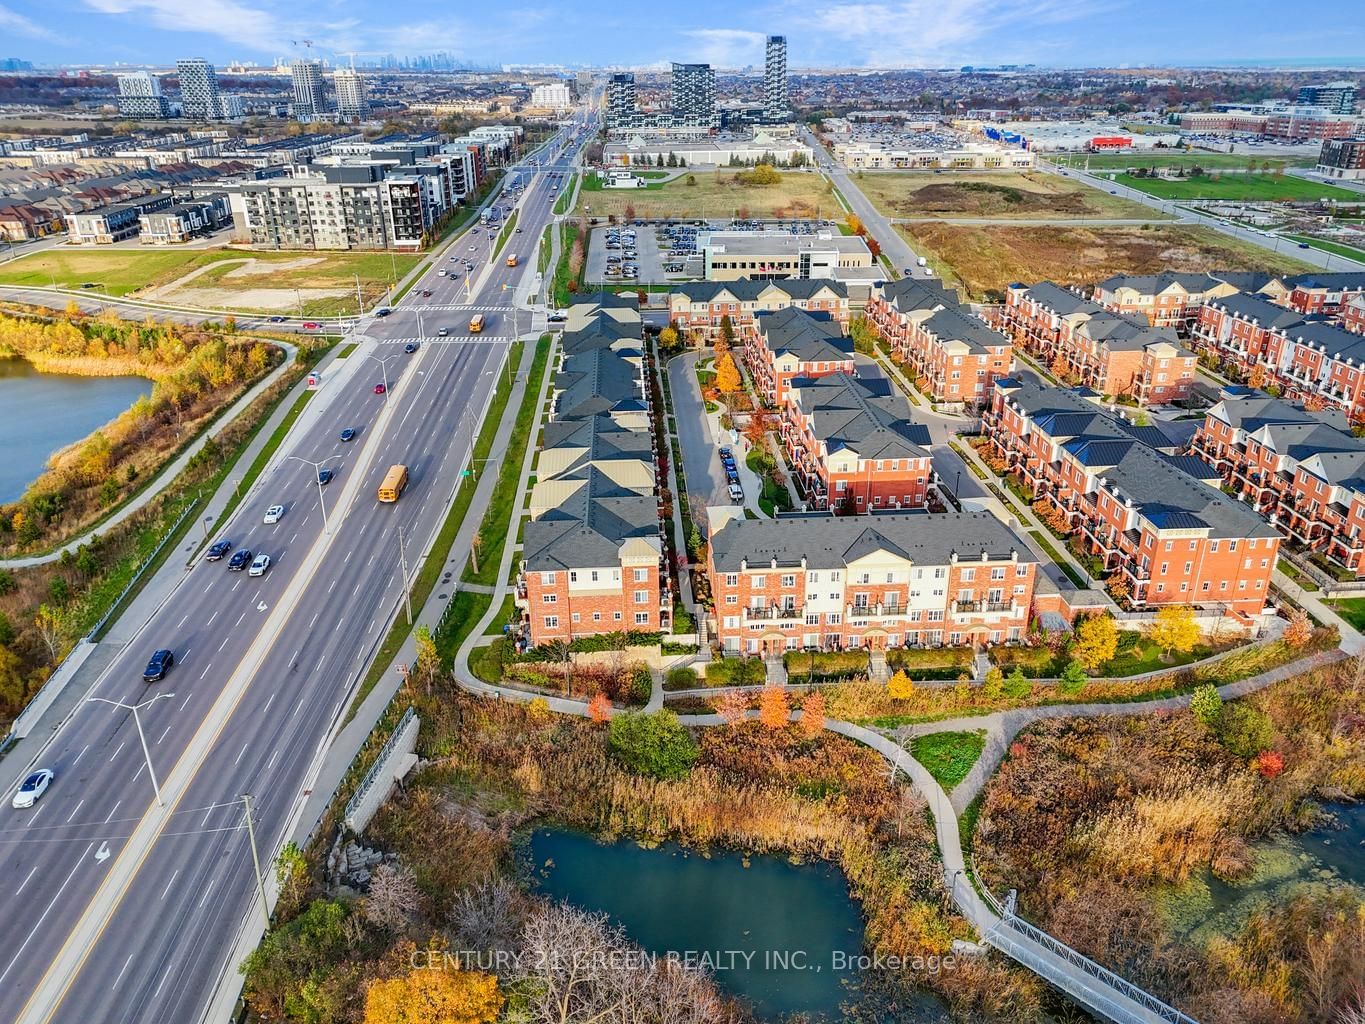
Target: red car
{"x": 379, "y": 389}
{"x": 309, "y": 325}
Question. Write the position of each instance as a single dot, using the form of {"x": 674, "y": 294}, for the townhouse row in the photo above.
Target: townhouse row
{"x": 876, "y": 582}
{"x": 593, "y": 553}
{"x": 1157, "y": 522}
{"x": 1302, "y": 469}
{"x": 1117, "y": 354}
{"x": 953, "y": 356}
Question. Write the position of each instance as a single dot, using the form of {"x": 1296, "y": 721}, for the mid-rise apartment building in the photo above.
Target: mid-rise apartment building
{"x": 114, "y": 223}
{"x": 1302, "y": 469}
{"x": 139, "y": 96}
{"x": 853, "y": 446}
{"x": 1158, "y": 523}
{"x": 1308, "y": 358}
{"x": 353, "y": 100}
{"x": 1115, "y": 354}
{"x": 593, "y": 555}
{"x": 885, "y": 581}
{"x": 1342, "y": 158}
{"x": 790, "y": 343}
{"x": 199, "y": 97}
{"x": 952, "y": 355}
{"x": 310, "y": 89}
{"x": 700, "y": 306}
{"x": 694, "y": 96}
{"x": 1337, "y": 97}
{"x": 184, "y": 221}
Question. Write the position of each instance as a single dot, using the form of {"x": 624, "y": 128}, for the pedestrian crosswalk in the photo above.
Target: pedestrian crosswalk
{"x": 452, "y": 339}
{"x": 452, "y": 308}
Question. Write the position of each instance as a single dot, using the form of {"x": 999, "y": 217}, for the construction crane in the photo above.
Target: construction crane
{"x": 306, "y": 42}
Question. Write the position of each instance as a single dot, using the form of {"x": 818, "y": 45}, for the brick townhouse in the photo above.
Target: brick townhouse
{"x": 1353, "y": 314}
{"x": 1308, "y": 358}
{"x": 701, "y": 305}
{"x": 882, "y": 581}
{"x": 1157, "y": 522}
{"x": 792, "y": 343}
{"x": 1167, "y": 300}
{"x": 1301, "y": 469}
{"x": 952, "y": 355}
{"x": 593, "y": 551}
{"x": 1323, "y": 292}
{"x": 852, "y": 445}
{"x": 1115, "y": 354}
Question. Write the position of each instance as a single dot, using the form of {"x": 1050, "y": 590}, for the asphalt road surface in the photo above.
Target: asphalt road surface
{"x": 117, "y": 911}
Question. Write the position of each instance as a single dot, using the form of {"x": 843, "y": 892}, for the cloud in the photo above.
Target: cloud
{"x": 726, "y": 47}
{"x": 235, "y": 22}
{"x": 11, "y": 21}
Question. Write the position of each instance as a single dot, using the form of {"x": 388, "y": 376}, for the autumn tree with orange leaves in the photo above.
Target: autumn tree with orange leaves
{"x": 813, "y": 714}
{"x": 773, "y": 710}
{"x": 599, "y": 708}
{"x": 434, "y": 997}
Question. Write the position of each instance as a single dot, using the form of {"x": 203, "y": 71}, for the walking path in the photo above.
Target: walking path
{"x": 170, "y": 471}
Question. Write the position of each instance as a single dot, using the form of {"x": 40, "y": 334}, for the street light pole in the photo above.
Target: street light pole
{"x": 137, "y": 720}
{"x": 255, "y": 856}
{"x": 317, "y": 470}
{"x": 403, "y": 562}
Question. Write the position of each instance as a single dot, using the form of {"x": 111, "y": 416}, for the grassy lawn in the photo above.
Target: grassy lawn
{"x": 568, "y": 234}
{"x": 497, "y": 520}
{"x": 1248, "y": 187}
{"x": 948, "y": 756}
{"x": 1352, "y": 609}
{"x": 717, "y": 194}
{"x": 562, "y": 203}
{"x": 1172, "y": 158}
{"x": 508, "y": 230}
{"x": 984, "y": 259}
{"x": 1337, "y": 248}
{"x": 1055, "y": 555}
{"x": 1303, "y": 580}
{"x": 126, "y": 272}
{"x": 1137, "y": 655}
{"x": 1020, "y": 195}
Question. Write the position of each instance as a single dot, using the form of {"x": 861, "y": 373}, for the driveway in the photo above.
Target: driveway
{"x": 701, "y": 464}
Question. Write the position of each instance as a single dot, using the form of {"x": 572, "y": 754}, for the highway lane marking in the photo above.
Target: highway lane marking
{"x": 207, "y": 889}
{"x": 214, "y": 615}
{"x": 272, "y": 761}
{"x": 315, "y": 621}
{"x": 189, "y": 695}
{"x": 201, "y": 676}
{"x": 186, "y": 616}
{"x": 116, "y": 752}
{"x": 298, "y": 707}
{"x": 372, "y": 558}
{"x": 338, "y": 627}
{"x": 185, "y": 656}
{"x": 113, "y": 812}
{"x": 269, "y": 702}
{"x": 294, "y": 538}
{"x": 140, "y": 769}
{"x": 122, "y": 972}
{"x": 25, "y": 881}
{"x": 237, "y": 584}
{"x": 333, "y": 586}
{"x": 348, "y": 555}
{"x": 243, "y": 751}
{"x": 225, "y": 640}
{"x": 80, "y": 755}
{"x": 356, "y": 590}
{"x": 239, "y": 620}
{"x": 34, "y": 816}
{"x": 208, "y": 588}
{"x": 170, "y": 883}
{"x": 163, "y": 735}
{"x": 38, "y": 924}
{"x": 207, "y": 815}
{"x": 73, "y": 813}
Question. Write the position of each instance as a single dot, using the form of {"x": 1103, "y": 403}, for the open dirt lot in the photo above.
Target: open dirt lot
{"x": 1033, "y": 194}
{"x": 983, "y": 260}
{"x": 709, "y": 195}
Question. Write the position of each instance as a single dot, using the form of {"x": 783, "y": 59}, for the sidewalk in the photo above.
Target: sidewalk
{"x": 168, "y": 472}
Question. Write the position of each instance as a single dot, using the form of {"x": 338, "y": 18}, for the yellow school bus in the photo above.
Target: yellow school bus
{"x": 476, "y": 323}
{"x": 511, "y": 261}
{"x": 395, "y": 480}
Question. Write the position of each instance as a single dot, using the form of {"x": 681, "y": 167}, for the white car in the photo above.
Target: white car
{"x": 274, "y": 514}
{"x": 34, "y": 787}
{"x": 259, "y": 565}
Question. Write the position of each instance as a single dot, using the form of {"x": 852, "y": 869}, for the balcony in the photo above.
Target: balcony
{"x": 880, "y": 610}
{"x": 772, "y": 613}
{"x": 988, "y": 609}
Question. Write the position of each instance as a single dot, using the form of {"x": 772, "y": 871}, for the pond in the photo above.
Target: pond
{"x": 774, "y": 933}
{"x": 41, "y": 413}
{"x": 1207, "y": 907}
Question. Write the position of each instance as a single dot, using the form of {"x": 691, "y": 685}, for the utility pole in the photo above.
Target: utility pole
{"x": 256, "y": 857}
{"x": 359, "y": 301}
{"x": 403, "y": 561}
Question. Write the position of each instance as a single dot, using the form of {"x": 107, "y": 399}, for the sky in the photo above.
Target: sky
{"x": 820, "y": 33}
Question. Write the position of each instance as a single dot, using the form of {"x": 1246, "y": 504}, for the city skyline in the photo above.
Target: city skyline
{"x": 840, "y": 33}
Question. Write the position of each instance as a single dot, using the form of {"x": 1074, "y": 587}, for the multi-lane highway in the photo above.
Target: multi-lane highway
{"x": 117, "y": 910}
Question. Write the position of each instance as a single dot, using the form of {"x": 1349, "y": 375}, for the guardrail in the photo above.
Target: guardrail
{"x": 1089, "y": 968}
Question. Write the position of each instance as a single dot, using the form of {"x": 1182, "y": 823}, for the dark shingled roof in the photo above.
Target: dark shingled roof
{"x": 746, "y": 290}
{"x": 847, "y": 414}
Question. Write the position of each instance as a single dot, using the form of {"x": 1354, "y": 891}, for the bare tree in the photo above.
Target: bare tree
{"x": 488, "y": 916}
{"x": 393, "y": 898}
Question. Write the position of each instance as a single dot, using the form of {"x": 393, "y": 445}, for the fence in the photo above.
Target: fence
{"x": 362, "y": 792}
{"x": 137, "y": 576}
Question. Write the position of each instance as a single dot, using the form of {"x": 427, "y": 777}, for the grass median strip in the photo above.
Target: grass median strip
{"x": 1056, "y": 556}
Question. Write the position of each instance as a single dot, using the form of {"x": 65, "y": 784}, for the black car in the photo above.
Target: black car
{"x": 325, "y": 476}
{"x": 156, "y": 669}
{"x": 410, "y": 347}
{"x": 383, "y": 311}
{"x": 725, "y": 453}
{"x": 277, "y": 320}
{"x": 217, "y": 551}
{"x": 240, "y": 560}
{"x": 348, "y": 434}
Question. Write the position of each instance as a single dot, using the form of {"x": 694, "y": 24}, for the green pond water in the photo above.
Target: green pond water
{"x": 777, "y": 935}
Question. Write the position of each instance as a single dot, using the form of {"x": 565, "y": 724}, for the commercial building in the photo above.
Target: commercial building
{"x": 1338, "y": 97}
{"x": 767, "y": 144}
{"x": 1303, "y": 470}
{"x": 791, "y": 343}
{"x": 772, "y": 255}
{"x": 310, "y": 89}
{"x": 1161, "y": 530}
{"x": 1342, "y": 158}
{"x": 693, "y": 91}
{"x": 1115, "y": 354}
{"x": 853, "y": 447}
{"x": 352, "y": 98}
{"x": 1274, "y": 121}
{"x": 113, "y": 223}
{"x": 700, "y": 306}
{"x": 873, "y": 155}
{"x": 1070, "y": 136}
{"x": 181, "y": 222}
{"x": 893, "y": 580}
{"x": 199, "y": 97}
{"x": 953, "y": 356}
{"x": 139, "y": 95}
{"x": 593, "y": 555}
{"x": 776, "y": 106}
